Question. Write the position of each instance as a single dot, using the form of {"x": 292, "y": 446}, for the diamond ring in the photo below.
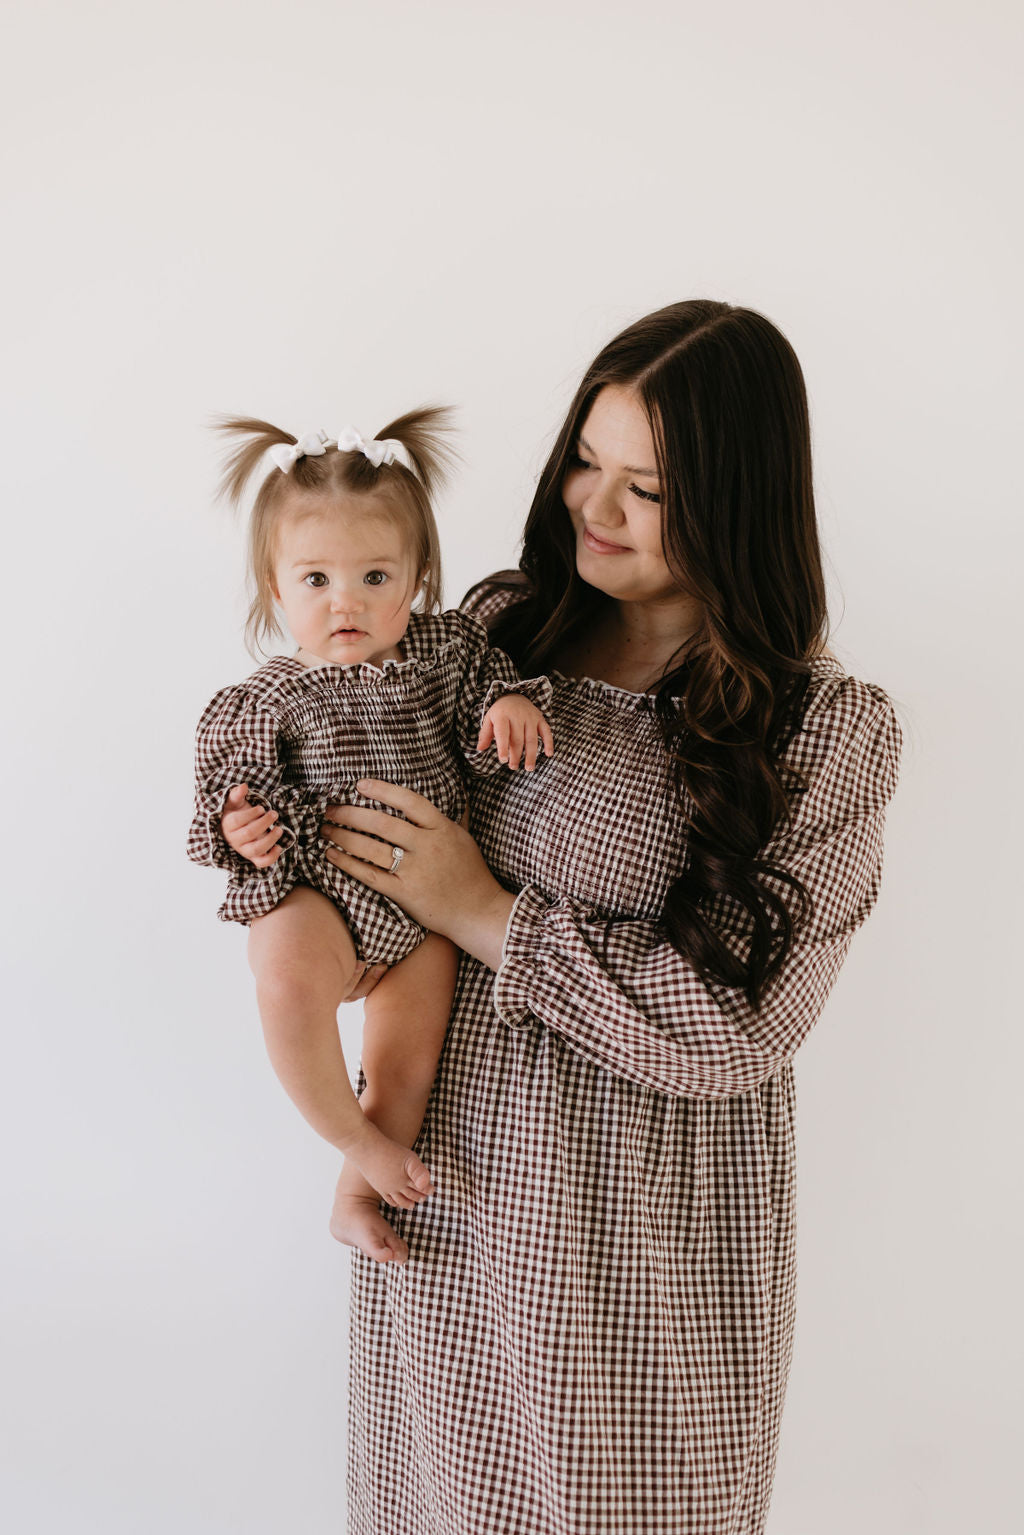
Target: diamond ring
{"x": 398, "y": 853}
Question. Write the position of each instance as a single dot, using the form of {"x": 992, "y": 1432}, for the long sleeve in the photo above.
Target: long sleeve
{"x": 238, "y": 741}
{"x": 628, "y": 1001}
{"x": 488, "y": 675}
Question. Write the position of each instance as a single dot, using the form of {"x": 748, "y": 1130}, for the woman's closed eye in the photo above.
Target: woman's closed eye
{"x": 579, "y": 462}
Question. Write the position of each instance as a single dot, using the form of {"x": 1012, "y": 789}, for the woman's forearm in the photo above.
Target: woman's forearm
{"x": 479, "y": 928}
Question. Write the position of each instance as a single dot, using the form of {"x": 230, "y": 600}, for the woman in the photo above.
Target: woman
{"x": 594, "y": 1329}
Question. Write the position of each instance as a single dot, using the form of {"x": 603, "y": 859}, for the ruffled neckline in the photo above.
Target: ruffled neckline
{"x": 359, "y": 671}
{"x": 482, "y": 601}
{"x": 594, "y": 687}
{"x": 623, "y": 698}
{"x": 365, "y": 672}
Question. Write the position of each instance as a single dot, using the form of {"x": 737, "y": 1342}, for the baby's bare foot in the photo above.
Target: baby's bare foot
{"x": 397, "y": 1173}
{"x": 356, "y": 1221}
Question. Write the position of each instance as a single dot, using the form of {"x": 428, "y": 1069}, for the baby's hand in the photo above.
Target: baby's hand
{"x": 517, "y": 729}
{"x": 250, "y": 830}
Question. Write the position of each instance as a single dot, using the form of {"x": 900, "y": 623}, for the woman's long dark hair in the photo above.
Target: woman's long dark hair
{"x": 725, "y": 398}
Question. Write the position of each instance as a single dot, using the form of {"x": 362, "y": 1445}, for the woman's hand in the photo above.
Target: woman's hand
{"x": 249, "y": 830}
{"x": 441, "y": 879}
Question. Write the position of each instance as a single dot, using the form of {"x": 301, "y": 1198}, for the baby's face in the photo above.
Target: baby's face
{"x": 345, "y": 579}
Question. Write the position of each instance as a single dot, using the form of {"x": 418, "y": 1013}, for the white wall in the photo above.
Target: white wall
{"x": 320, "y": 212}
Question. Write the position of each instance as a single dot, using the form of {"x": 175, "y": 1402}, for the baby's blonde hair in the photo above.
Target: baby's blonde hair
{"x": 333, "y": 475}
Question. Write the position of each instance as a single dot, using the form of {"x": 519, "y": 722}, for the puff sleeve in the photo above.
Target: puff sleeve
{"x": 627, "y": 1000}
{"x": 238, "y": 741}
{"x": 488, "y": 674}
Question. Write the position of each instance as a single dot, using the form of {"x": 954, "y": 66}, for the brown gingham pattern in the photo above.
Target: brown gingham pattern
{"x": 301, "y": 737}
{"x": 593, "y": 1333}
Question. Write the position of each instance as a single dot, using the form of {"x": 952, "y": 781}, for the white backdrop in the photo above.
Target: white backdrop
{"x": 320, "y": 212}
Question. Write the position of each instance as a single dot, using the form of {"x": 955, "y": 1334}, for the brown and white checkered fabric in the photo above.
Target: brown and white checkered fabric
{"x": 593, "y": 1333}
{"x": 300, "y": 738}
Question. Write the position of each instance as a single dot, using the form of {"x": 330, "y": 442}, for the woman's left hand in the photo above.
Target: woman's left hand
{"x": 441, "y": 879}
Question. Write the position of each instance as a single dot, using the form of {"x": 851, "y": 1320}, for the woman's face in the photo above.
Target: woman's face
{"x": 611, "y": 492}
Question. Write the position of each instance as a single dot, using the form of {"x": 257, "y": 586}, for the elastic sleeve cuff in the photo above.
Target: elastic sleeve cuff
{"x": 485, "y": 764}
{"x": 512, "y": 984}
{"x": 536, "y": 689}
{"x": 206, "y": 842}
{"x": 288, "y": 838}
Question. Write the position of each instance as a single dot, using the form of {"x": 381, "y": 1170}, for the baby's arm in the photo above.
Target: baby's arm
{"x": 240, "y": 774}
{"x": 249, "y": 830}
{"x": 518, "y": 729}
{"x": 496, "y": 705}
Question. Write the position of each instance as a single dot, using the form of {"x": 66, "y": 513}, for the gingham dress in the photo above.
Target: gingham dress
{"x": 593, "y": 1332}
{"x": 301, "y": 737}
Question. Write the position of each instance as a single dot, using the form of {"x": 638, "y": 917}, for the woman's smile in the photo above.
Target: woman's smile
{"x": 602, "y": 545}
{"x": 612, "y": 482}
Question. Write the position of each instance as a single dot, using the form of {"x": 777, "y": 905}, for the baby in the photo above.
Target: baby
{"x": 342, "y": 544}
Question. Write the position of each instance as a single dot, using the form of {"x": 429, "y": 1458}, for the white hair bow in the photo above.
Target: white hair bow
{"x": 309, "y": 445}
{"x": 383, "y": 451}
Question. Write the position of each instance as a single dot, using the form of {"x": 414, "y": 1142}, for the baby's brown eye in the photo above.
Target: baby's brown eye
{"x": 375, "y": 578}
{"x": 316, "y": 578}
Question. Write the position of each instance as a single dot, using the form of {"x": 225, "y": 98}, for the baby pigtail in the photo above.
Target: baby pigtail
{"x": 425, "y": 436}
{"x": 253, "y": 439}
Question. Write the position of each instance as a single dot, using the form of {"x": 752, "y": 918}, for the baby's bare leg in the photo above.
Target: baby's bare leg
{"x": 304, "y": 961}
{"x": 403, "y": 1032}
{"x": 406, "y": 1015}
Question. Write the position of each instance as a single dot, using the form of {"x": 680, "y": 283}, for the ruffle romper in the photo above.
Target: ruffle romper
{"x": 301, "y": 738}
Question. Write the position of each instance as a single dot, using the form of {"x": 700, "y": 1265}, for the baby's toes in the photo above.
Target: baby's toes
{"x": 402, "y": 1199}
{"x": 386, "y": 1249}
{"x": 420, "y": 1182}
